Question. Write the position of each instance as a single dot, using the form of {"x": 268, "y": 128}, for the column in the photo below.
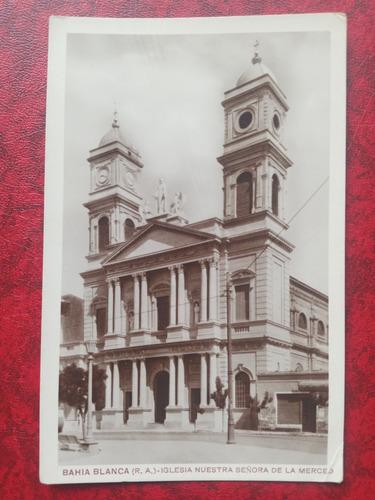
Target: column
{"x": 253, "y": 187}
{"x": 172, "y": 318}
{"x": 117, "y": 308}
{"x": 203, "y": 380}
{"x": 213, "y": 289}
{"x": 110, "y": 307}
{"x": 181, "y": 381}
{"x": 92, "y": 235}
{"x": 172, "y": 382}
{"x": 136, "y": 302}
{"x": 134, "y": 384}
{"x": 295, "y": 319}
{"x": 96, "y": 242}
{"x": 108, "y": 386}
{"x": 116, "y": 385}
{"x": 144, "y": 302}
{"x": 181, "y": 295}
{"x": 112, "y": 227}
{"x": 142, "y": 383}
{"x": 203, "y": 290}
{"x": 265, "y": 190}
{"x": 213, "y": 372}
{"x": 93, "y": 324}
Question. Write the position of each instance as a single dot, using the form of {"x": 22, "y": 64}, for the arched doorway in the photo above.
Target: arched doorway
{"x": 161, "y": 395}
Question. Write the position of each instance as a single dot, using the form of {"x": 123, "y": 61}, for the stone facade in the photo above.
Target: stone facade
{"x": 155, "y": 290}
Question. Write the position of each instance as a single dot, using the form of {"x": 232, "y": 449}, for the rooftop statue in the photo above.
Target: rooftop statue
{"x": 178, "y": 202}
{"x": 161, "y": 197}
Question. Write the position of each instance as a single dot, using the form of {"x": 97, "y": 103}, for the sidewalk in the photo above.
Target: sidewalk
{"x": 201, "y": 448}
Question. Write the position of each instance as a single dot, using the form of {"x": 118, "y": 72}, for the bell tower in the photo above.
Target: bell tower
{"x": 254, "y": 160}
{"x": 114, "y": 199}
{"x": 255, "y": 166}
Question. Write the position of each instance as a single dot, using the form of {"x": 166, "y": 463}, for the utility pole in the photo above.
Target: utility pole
{"x": 231, "y": 439}
{"x": 89, "y": 442}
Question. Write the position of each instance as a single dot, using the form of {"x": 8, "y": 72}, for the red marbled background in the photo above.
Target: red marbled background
{"x": 23, "y": 70}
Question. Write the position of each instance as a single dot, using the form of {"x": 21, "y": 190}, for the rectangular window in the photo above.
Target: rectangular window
{"x": 101, "y": 322}
{"x": 289, "y": 409}
{"x": 242, "y": 302}
{"x": 65, "y": 308}
{"x": 163, "y": 312}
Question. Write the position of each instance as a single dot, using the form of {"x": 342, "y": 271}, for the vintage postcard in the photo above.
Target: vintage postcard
{"x": 193, "y": 304}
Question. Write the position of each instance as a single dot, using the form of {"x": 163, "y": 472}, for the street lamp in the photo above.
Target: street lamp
{"x": 231, "y": 439}
{"x": 89, "y": 439}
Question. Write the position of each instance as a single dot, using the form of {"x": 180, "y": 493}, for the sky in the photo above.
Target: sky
{"x": 167, "y": 91}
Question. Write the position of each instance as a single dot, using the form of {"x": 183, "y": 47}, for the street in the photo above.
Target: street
{"x": 201, "y": 448}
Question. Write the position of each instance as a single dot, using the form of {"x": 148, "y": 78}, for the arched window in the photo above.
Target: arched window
{"x": 244, "y": 194}
{"x": 103, "y": 233}
{"x": 275, "y": 194}
{"x": 242, "y": 390}
{"x": 302, "y": 321}
{"x": 129, "y": 229}
{"x": 321, "y": 331}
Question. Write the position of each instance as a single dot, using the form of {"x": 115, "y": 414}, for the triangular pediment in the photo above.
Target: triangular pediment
{"x": 156, "y": 238}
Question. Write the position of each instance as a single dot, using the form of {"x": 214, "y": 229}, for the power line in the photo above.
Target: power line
{"x": 290, "y": 220}
{"x": 149, "y": 311}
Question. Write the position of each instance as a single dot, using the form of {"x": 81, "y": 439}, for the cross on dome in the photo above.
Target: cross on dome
{"x": 115, "y": 134}
{"x": 115, "y": 124}
{"x": 256, "y": 70}
{"x": 256, "y": 59}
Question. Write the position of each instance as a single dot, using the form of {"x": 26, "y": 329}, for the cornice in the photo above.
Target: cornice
{"x": 259, "y": 234}
{"x": 299, "y": 285}
{"x": 254, "y": 151}
{"x": 299, "y": 376}
{"x": 156, "y": 351}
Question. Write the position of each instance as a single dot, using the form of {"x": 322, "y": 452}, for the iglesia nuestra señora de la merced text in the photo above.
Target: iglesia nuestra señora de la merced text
{"x": 155, "y": 287}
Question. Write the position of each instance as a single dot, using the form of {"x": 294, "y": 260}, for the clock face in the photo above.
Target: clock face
{"x": 129, "y": 179}
{"x": 102, "y": 176}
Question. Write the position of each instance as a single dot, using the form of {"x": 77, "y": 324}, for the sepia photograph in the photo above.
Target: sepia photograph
{"x": 193, "y": 314}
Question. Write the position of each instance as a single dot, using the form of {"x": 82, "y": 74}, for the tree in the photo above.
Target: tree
{"x": 220, "y": 396}
{"x": 73, "y": 389}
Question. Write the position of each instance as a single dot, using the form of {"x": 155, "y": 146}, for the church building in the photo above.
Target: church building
{"x": 155, "y": 288}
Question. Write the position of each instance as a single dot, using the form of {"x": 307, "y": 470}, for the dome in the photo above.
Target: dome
{"x": 114, "y": 135}
{"x": 256, "y": 70}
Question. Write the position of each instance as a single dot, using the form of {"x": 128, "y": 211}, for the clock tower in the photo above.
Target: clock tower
{"x": 114, "y": 198}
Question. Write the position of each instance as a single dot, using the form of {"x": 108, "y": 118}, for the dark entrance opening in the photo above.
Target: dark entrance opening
{"x": 127, "y": 405}
{"x": 161, "y": 395}
{"x": 195, "y": 401}
{"x": 308, "y": 415}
